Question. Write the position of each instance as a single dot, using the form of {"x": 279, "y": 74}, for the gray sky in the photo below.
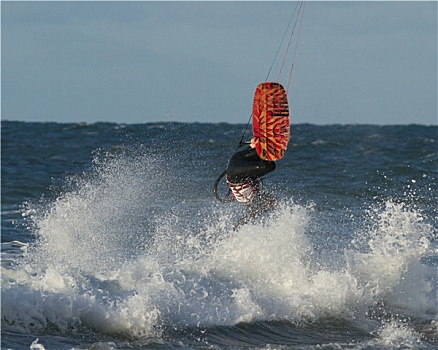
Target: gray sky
{"x": 135, "y": 62}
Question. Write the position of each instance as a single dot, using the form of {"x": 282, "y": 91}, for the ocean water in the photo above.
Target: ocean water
{"x": 112, "y": 239}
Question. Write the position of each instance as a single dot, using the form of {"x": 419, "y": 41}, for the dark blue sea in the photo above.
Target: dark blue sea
{"x": 112, "y": 239}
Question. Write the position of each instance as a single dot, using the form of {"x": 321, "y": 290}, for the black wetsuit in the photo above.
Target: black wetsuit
{"x": 244, "y": 166}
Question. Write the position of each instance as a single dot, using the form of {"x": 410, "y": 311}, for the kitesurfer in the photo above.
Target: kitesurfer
{"x": 243, "y": 174}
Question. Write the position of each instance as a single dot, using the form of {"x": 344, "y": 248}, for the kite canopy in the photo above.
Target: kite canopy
{"x": 270, "y": 120}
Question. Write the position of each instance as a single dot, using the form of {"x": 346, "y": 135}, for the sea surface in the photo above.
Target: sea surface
{"x": 112, "y": 239}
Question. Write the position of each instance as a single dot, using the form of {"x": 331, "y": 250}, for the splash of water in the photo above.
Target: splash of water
{"x": 106, "y": 217}
{"x": 108, "y": 259}
{"x": 397, "y": 335}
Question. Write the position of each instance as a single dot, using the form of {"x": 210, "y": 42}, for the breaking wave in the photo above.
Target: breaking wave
{"x": 113, "y": 254}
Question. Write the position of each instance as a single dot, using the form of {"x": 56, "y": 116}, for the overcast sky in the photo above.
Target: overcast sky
{"x": 136, "y": 62}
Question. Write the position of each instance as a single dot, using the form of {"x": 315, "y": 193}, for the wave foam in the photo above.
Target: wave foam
{"x": 108, "y": 258}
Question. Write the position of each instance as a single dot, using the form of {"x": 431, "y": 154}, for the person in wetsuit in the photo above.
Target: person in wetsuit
{"x": 243, "y": 174}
